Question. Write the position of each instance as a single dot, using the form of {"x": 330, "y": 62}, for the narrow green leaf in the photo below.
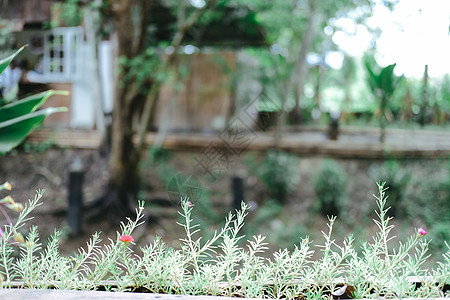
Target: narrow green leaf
{"x": 26, "y": 105}
{"x": 387, "y": 79}
{"x": 6, "y": 61}
{"x": 13, "y": 132}
{"x": 374, "y": 80}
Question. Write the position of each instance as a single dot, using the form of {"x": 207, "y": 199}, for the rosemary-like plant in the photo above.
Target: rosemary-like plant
{"x": 225, "y": 265}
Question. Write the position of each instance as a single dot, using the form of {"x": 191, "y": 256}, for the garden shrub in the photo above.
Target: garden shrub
{"x": 222, "y": 266}
{"x": 431, "y": 193}
{"x": 157, "y": 154}
{"x": 179, "y": 185}
{"x": 431, "y": 196}
{"x": 330, "y": 184}
{"x": 441, "y": 235}
{"x": 261, "y": 216}
{"x": 279, "y": 173}
{"x": 269, "y": 217}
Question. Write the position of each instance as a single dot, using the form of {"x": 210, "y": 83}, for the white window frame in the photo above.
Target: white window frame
{"x": 60, "y": 57}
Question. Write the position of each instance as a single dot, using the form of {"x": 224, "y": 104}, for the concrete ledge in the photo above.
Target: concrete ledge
{"x": 34, "y": 294}
{"x": 352, "y": 142}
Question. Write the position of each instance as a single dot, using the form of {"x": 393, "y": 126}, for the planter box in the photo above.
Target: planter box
{"x": 32, "y": 294}
{"x": 19, "y": 292}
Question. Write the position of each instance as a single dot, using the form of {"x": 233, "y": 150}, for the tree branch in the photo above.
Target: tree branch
{"x": 150, "y": 101}
{"x": 183, "y": 28}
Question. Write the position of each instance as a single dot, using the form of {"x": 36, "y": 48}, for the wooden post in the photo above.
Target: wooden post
{"x": 75, "y": 197}
{"x": 238, "y": 192}
{"x": 333, "y": 126}
{"x": 425, "y": 100}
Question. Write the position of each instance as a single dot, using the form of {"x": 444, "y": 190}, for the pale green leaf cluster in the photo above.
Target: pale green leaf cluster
{"x": 227, "y": 265}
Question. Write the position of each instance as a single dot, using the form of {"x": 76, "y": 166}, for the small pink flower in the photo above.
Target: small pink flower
{"x": 422, "y": 231}
{"x": 189, "y": 204}
{"x": 126, "y": 239}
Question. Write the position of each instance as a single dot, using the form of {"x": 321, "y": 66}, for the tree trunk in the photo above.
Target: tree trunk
{"x": 317, "y": 86}
{"x": 425, "y": 102}
{"x": 297, "y": 77}
{"x": 301, "y": 66}
{"x": 124, "y": 172}
{"x": 124, "y": 181}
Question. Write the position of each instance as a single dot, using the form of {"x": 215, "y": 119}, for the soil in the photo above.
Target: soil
{"x": 49, "y": 170}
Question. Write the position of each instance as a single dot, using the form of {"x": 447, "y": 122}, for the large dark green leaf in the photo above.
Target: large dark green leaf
{"x": 374, "y": 80}
{"x": 382, "y": 84}
{"x": 6, "y": 61}
{"x": 26, "y": 105}
{"x": 14, "y": 131}
{"x": 387, "y": 80}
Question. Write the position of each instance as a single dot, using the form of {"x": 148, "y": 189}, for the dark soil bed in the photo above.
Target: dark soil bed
{"x": 49, "y": 170}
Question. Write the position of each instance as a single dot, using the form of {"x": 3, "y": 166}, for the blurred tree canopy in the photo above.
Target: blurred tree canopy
{"x": 291, "y": 39}
{"x": 150, "y": 35}
{"x": 295, "y": 29}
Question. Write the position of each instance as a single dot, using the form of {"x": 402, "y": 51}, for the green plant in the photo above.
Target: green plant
{"x": 6, "y": 37}
{"x": 8, "y": 202}
{"x": 221, "y": 266}
{"x": 432, "y": 195}
{"x": 441, "y": 234}
{"x": 387, "y": 269}
{"x": 397, "y": 177}
{"x": 10, "y": 233}
{"x": 279, "y": 173}
{"x": 19, "y": 118}
{"x": 330, "y": 184}
{"x": 383, "y": 85}
{"x": 179, "y": 185}
{"x": 70, "y": 13}
{"x": 35, "y": 148}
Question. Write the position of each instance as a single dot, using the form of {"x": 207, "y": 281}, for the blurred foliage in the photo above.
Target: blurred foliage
{"x": 134, "y": 72}
{"x": 157, "y": 154}
{"x": 419, "y": 193}
{"x": 441, "y": 235}
{"x": 330, "y": 184}
{"x": 285, "y": 23}
{"x": 178, "y": 184}
{"x": 19, "y": 118}
{"x": 359, "y": 93}
{"x": 282, "y": 25}
{"x": 383, "y": 81}
{"x": 279, "y": 173}
{"x": 36, "y": 148}
{"x": 70, "y": 13}
{"x": 269, "y": 218}
{"x": 6, "y": 38}
{"x": 397, "y": 179}
{"x": 383, "y": 84}
{"x": 428, "y": 199}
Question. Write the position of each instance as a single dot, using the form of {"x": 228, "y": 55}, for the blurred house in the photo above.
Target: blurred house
{"x": 64, "y": 58}
{"x": 60, "y": 58}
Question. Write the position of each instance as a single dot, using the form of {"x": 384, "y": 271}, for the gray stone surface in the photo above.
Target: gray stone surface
{"x": 33, "y": 294}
